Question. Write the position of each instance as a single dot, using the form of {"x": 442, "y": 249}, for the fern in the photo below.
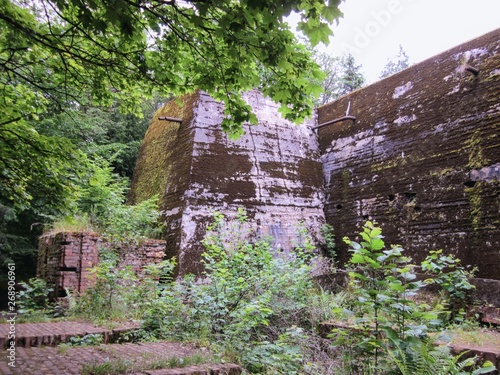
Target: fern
{"x": 424, "y": 358}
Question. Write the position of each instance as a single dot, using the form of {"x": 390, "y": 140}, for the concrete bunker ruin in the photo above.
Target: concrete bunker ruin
{"x": 422, "y": 158}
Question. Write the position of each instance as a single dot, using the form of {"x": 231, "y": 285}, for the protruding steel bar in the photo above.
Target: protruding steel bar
{"x": 352, "y": 118}
{"x": 471, "y": 69}
{"x": 174, "y": 119}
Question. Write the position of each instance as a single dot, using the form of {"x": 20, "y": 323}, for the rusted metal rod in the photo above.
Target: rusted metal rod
{"x": 352, "y": 118}
{"x": 471, "y": 69}
{"x": 174, "y": 119}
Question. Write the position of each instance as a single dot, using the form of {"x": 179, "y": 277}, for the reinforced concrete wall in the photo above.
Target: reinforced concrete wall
{"x": 272, "y": 171}
{"x": 422, "y": 158}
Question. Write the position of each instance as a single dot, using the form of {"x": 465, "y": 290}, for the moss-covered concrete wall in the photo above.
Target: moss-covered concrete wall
{"x": 273, "y": 172}
{"x": 423, "y": 157}
{"x": 164, "y": 163}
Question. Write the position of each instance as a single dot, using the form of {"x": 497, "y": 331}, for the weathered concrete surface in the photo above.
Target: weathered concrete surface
{"x": 273, "y": 172}
{"x": 422, "y": 158}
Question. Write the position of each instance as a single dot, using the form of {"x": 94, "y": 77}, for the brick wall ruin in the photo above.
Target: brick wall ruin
{"x": 64, "y": 258}
{"x": 423, "y": 157}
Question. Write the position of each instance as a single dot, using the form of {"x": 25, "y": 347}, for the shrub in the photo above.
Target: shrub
{"x": 453, "y": 281}
{"x": 390, "y": 327}
{"x": 384, "y": 284}
{"x": 131, "y": 223}
{"x": 252, "y": 303}
{"x": 34, "y": 297}
{"x": 118, "y": 293}
{"x": 99, "y": 205}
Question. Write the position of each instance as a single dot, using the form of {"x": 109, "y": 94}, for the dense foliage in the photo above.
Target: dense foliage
{"x": 391, "y": 324}
{"x": 54, "y": 50}
{"x": 252, "y": 304}
{"x": 263, "y": 310}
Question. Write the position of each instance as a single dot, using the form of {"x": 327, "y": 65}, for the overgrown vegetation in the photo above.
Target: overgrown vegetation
{"x": 453, "y": 282}
{"x": 100, "y": 206}
{"x": 34, "y": 296}
{"x": 387, "y": 325}
{"x": 262, "y": 309}
{"x": 253, "y": 305}
{"x": 118, "y": 293}
{"x": 77, "y": 161}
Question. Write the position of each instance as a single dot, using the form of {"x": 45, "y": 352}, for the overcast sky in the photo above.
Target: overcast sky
{"x": 373, "y": 29}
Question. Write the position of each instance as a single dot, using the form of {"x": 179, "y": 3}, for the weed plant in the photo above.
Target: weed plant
{"x": 122, "y": 366}
{"x": 453, "y": 282}
{"x": 118, "y": 293}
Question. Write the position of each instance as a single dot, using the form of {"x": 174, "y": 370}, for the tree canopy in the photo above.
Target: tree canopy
{"x": 342, "y": 76}
{"x": 51, "y": 51}
{"x": 75, "y": 75}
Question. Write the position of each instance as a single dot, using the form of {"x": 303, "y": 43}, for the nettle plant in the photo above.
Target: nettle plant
{"x": 384, "y": 282}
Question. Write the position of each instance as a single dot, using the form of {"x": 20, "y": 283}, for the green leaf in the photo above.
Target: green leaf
{"x": 375, "y": 232}
{"x": 331, "y": 12}
{"x": 366, "y": 237}
{"x": 358, "y": 259}
{"x": 398, "y": 287}
{"x": 317, "y": 32}
{"x": 486, "y": 368}
{"x": 377, "y": 244}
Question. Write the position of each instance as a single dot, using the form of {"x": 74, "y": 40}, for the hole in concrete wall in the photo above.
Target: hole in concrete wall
{"x": 391, "y": 197}
{"x": 410, "y": 197}
{"x": 366, "y": 217}
{"x": 470, "y": 184}
{"x": 339, "y": 206}
{"x": 417, "y": 209}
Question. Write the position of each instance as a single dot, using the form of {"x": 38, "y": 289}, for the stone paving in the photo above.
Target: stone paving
{"x": 70, "y": 361}
{"x": 38, "y": 334}
{"x": 40, "y": 359}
